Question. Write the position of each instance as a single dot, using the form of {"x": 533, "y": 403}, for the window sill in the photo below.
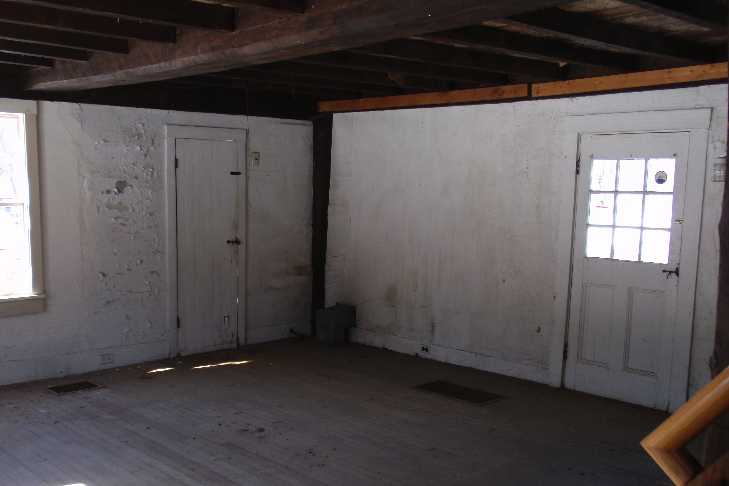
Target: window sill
{"x": 21, "y": 305}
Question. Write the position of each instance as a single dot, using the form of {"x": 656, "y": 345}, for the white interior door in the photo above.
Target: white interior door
{"x": 208, "y": 243}
{"x": 627, "y": 246}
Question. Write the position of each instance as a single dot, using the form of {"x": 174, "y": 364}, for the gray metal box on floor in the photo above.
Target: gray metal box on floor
{"x": 332, "y": 323}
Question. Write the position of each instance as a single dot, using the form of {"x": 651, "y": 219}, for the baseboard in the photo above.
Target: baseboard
{"x": 44, "y": 367}
{"x": 449, "y": 355}
{"x": 275, "y": 333}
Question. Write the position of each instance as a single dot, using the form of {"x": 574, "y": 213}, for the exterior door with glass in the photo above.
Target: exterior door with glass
{"x": 626, "y": 268}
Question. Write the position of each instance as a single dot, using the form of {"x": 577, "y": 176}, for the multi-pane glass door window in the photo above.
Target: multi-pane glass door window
{"x": 631, "y": 209}
{"x": 15, "y": 267}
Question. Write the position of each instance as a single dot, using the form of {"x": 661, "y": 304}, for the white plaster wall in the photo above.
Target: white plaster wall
{"x": 443, "y": 226}
{"x": 104, "y": 245}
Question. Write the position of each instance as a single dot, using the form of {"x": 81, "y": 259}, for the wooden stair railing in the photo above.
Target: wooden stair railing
{"x": 667, "y": 444}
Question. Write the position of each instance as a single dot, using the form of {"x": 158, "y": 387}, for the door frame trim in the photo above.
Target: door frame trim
{"x": 697, "y": 123}
{"x": 172, "y": 133}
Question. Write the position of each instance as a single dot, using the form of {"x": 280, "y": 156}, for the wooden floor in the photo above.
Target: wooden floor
{"x": 302, "y": 413}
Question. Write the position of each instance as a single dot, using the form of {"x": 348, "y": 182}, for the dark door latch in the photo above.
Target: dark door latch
{"x": 670, "y": 272}
{"x": 236, "y": 241}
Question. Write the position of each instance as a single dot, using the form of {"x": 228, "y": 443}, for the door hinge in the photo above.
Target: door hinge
{"x": 564, "y": 353}
{"x": 177, "y": 163}
{"x": 577, "y": 169}
{"x": 235, "y": 172}
{"x": 178, "y": 322}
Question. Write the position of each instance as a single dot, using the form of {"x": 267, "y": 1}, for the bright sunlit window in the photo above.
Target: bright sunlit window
{"x": 21, "y": 275}
{"x": 15, "y": 264}
{"x": 631, "y": 209}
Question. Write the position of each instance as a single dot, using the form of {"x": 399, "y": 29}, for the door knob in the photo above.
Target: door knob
{"x": 236, "y": 241}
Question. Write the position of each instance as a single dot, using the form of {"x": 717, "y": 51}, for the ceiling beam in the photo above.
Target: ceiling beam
{"x": 315, "y": 82}
{"x": 505, "y": 42}
{"x": 177, "y": 13}
{"x": 329, "y": 26}
{"x": 10, "y": 69}
{"x": 182, "y": 97}
{"x": 63, "y": 39}
{"x": 43, "y": 50}
{"x": 25, "y": 60}
{"x": 386, "y": 65}
{"x": 214, "y": 81}
{"x": 292, "y": 6}
{"x": 356, "y": 75}
{"x": 20, "y": 13}
{"x": 465, "y": 58}
{"x": 327, "y": 72}
{"x": 606, "y": 35}
{"x": 702, "y": 13}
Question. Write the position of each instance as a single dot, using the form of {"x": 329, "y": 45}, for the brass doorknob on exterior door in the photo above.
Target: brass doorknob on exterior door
{"x": 236, "y": 241}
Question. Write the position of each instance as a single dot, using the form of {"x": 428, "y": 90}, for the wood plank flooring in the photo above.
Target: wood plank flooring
{"x": 303, "y": 413}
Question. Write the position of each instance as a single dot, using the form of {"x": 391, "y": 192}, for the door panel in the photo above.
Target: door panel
{"x": 207, "y": 218}
{"x": 596, "y": 324}
{"x": 645, "y": 308}
{"x": 630, "y": 196}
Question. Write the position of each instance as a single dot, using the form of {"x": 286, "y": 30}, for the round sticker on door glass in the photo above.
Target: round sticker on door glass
{"x": 661, "y": 177}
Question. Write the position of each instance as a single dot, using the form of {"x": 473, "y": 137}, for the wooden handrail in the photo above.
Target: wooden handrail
{"x": 667, "y": 444}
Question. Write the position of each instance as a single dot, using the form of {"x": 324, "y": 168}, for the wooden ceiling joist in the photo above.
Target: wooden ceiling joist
{"x": 292, "y": 6}
{"x": 329, "y": 26}
{"x": 178, "y": 13}
{"x": 414, "y": 68}
{"x": 62, "y": 38}
{"x": 703, "y": 13}
{"x": 23, "y": 14}
{"x": 245, "y": 84}
{"x": 421, "y": 51}
{"x": 607, "y": 35}
{"x": 21, "y": 60}
{"x": 310, "y": 81}
{"x": 336, "y": 73}
{"x": 511, "y": 43}
{"x": 42, "y": 50}
{"x": 10, "y": 70}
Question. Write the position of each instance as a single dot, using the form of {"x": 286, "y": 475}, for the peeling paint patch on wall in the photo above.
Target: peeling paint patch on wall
{"x": 105, "y": 249}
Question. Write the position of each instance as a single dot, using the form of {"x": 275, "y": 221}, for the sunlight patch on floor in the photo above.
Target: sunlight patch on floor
{"x": 230, "y": 363}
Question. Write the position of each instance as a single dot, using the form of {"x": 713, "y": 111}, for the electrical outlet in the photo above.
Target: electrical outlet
{"x": 106, "y": 358}
{"x": 425, "y": 349}
{"x": 255, "y": 158}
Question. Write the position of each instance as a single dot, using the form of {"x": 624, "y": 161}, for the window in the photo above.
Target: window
{"x": 21, "y": 285}
{"x": 631, "y": 209}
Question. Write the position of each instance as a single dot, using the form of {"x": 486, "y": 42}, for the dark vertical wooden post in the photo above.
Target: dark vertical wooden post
{"x": 717, "y": 438}
{"x": 320, "y": 211}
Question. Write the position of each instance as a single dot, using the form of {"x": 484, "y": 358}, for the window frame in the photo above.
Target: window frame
{"x": 34, "y": 302}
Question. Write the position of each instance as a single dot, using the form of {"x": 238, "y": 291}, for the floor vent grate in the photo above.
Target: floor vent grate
{"x": 461, "y": 393}
{"x": 73, "y": 387}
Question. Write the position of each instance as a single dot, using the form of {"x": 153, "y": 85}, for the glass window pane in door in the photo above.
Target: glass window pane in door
{"x": 602, "y": 177}
{"x": 602, "y": 207}
{"x": 656, "y": 246}
{"x": 660, "y": 175}
{"x": 629, "y": 210}
{"x": 626, "y": 244}
{"x": 599, "y": 241}
{"x": 658, "y": 211}
{"x": 631, "y": 174}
